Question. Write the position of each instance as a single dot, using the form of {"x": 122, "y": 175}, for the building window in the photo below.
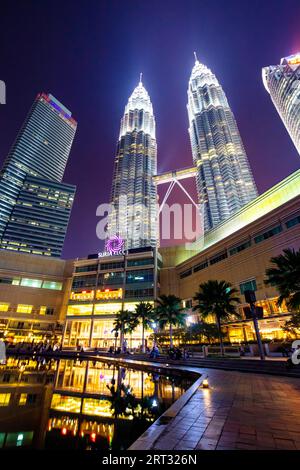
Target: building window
{"x": 241, "y": 247}
{"x": 107, "y": 309}
{"x": 218, "y": 258}
{"x": 248, "y": 285}
{"x": 19, "y": 439}
{"x": 15, "y": 281}
{"x": 4, "y": 399}
{"x": 108, "y": 266}
{"x": 31, "y": 399}
{"x": 84, "y": 281}
{"x": 66, "y": 403}
{"x": 3, "y": 307}
{"x": 80, "y": 309}
{"x": 140, "y": 262}
{"x": 23, "y": 399}
{"x": 292, "y": 222}
{"x": 186, "y": 273}
{"x": 138, "y": 293}
{"x": 31, "y": 282}
{"x": 87, "y": 268}
{"x": 200, "y": 266}
{"x": 268, "y": 234}
{"x": 46, "y": 310}
{"x": 143, "y": 275}
{"x": 108, "y": 279}
{"x": 22, "y": 308}
{"x": 27, "y": 399}
{"x": 188, "y": 303}
{"x": 52, "y": 285}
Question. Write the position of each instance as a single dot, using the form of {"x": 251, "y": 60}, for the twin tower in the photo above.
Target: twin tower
{"x": 224, "y": 178}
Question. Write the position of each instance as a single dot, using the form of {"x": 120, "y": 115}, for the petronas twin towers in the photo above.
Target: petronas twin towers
{"x": 224, "y": 179}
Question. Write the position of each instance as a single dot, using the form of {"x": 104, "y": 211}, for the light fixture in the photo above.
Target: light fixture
{"x": 205, "y": 383}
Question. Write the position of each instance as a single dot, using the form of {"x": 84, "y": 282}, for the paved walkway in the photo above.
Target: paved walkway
{"x": 238, "y": 411}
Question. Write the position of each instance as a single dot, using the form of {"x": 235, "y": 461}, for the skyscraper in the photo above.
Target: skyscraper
{"x": 283, "y": 83}
{"x": 34, "y": 204}
{"x": 224, "y": 179}
{"x": 133, "y": 198}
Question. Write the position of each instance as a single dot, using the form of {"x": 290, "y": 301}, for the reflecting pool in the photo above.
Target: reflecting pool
{"x": 88, "y": 405}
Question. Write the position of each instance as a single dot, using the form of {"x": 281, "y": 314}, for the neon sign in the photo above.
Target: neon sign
{"x": 108, "y": 294}
{"x": 113, "y": 246}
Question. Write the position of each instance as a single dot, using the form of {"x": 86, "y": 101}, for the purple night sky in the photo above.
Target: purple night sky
{"x": 89, "y": 54}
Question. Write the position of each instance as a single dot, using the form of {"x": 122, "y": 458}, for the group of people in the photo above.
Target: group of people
{"x": 154, "y": 353}
{"x": 177, "y": 353}
{"x": 41, "y": 347}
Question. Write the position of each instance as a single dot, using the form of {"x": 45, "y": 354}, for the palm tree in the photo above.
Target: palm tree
{"x": 144, "y": 311}
{"x": 285, "y": 276}
{"x": 201, "y": 330}
{"x": 217, "y": 298}
{"x": 292, "y": 326}
{"x": 169, "y": 312}
{"x": 125, "y": 322}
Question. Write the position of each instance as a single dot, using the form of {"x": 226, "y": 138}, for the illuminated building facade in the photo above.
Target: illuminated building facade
{"x": 133, "y": 199}
{"x": 33, "y": 297}
{"x": 101, "y": 287}
{"x": 224, "y": 179}
{"x": 34, "y": 203}
{"x": 25, "y": 397}
{"x": 239, "y": 251}
{"x": 82, "y": 404}
{"x": 283, "y": 84}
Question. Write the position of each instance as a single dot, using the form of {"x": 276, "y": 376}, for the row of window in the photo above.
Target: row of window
{"x": 24, "y": 399}
{"x": 138, "y": 293}
{"x": 113, "y": 278}
{"x": 27, "y": 282}
{"x": 24, "y": 308}
{"x": 114, "y": 265}
{"x": 242, "y": 246}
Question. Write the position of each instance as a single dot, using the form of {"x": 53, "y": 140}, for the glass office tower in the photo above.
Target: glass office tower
{"x": 283, "y": 84}
{"x": 41, "y": 151}
{"x": 133, "y": 200}
{"x": 224, "y": 180}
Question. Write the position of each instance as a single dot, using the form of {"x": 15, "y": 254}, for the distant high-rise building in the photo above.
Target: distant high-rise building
{"x": 34, "y": 204}
{"x": 224, "y": 180}
{"x": 283, "y": 83}
{"x": 133, "y": 199}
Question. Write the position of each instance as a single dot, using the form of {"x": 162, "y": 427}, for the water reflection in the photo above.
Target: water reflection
{"x": 80, "y": 404}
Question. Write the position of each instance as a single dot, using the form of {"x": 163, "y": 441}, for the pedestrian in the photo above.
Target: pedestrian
{"x": 2, "y": 351}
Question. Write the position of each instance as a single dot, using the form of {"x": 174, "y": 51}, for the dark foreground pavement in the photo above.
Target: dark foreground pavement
{"x": 238, "y": 411}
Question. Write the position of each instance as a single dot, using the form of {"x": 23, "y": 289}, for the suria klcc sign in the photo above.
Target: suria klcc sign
{"x": 113, "y": 246}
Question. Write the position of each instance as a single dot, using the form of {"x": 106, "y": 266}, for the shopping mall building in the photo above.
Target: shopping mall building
{"x": 104, "y": 284}
{"x": 239, "y": 251}
{"x": 78, "y": 299}
{"x": 34, "y": 292}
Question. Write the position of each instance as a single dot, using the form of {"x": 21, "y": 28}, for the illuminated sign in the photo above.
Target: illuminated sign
{"x": 113, "y": 246}
{"x": 83, "y": 295}
{"x": 108, "y": 294}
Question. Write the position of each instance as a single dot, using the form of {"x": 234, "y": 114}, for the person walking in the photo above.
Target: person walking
{"x": 2, "y": 351}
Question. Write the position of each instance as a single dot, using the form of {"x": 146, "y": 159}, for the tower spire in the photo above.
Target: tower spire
{"x": 196, "y": 58}
{"x": 141, "y": 77}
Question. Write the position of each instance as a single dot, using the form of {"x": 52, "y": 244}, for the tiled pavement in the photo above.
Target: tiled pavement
{"x": 238, "y": 411}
